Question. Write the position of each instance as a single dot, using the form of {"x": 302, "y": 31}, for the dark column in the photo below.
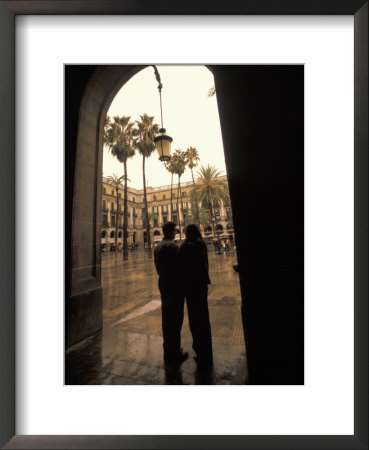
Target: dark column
{"x": 262, "y": 119}
{"x": 83, "y": 307}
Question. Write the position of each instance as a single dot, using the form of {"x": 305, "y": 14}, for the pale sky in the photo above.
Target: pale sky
{"x": 190, "y": 118}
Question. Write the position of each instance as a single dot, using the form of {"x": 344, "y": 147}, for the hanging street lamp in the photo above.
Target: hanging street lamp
{"x": 162, "y": 141}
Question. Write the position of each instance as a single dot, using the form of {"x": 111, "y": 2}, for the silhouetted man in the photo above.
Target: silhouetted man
{"x": 172, "y": 300}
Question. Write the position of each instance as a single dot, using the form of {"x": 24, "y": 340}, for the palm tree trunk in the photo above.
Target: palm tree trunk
{"x": 180, "y": 196}
{"x": 197, "y": 206}
{"x": 211, "y": 217}
{"x": 171, "y": 199}
{"x": 148, "y": 240}
{"x": 125, "y": 214}
{"x": 179, "y": 212}
{"x": 116, "y": 221}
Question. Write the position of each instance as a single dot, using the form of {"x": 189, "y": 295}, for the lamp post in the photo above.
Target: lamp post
{"x": 213, "y": 220}
{"x": 162, "y": 140}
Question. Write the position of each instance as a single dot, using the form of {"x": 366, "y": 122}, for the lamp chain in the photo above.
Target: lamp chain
{"x": 160, "y": 86}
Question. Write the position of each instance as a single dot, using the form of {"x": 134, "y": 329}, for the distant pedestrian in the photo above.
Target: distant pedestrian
{"x": 215, "y": 243}
{"x": 172, "y": 299}
{"x": 194, "y": 271}
{"x": 228, "y": 245}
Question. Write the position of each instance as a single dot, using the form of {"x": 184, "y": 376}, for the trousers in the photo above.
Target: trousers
{"x": 172, "y": 304}
{"x": 199, "y": 321}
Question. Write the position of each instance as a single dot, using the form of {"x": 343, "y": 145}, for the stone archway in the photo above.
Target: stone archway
{"x": 219, "y": 228}
{"x": 84, "y": 297}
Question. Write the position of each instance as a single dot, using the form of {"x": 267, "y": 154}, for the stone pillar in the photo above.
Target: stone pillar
{"x": 90, "y": 92}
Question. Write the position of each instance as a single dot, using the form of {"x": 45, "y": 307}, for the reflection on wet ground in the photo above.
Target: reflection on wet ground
{"x": 129, "y": 348}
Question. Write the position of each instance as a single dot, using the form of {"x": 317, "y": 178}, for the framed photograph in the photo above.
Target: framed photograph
{"x": 83, "y": 363}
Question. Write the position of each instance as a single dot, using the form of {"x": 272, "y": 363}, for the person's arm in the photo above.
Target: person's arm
{"x": 206, "y": 263}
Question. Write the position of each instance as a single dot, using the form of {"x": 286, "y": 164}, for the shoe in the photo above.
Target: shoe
{"x": 203, "y": 366}
{"x": 182, "y": 356}
{"x": 177, "y": 361}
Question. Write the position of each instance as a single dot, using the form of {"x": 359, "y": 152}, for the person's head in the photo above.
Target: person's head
{"x": 192, "y": 232}
{"x": 169, "y": 230}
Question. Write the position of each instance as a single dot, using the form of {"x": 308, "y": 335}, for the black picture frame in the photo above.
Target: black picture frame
{"x": 8, "y": 12}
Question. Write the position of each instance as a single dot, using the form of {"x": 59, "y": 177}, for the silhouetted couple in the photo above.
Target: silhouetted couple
{"x": 184, "y": 274}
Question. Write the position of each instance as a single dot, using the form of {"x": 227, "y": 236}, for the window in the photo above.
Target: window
{"x": 184, "y": 205}
{"x": 134, "y": 199}
{"x": 173, "y": 195}
{"x": 164, "y": 208}
{"x": 154, "y": 198}
{"x": 104, "y": 190}
{"x": 175, "y": 219}
{"x": 155, "y": 209}
{"x": 228, "y": 212}
{"x": 119, "y": 234}
{"x": 155, "y": 222}
{"x": 112, "y": 206}
{"x": 165, "y": 219}
{"x": 174, "y": 206}
{"x": 112, "y": 234}
{"x": 164, "y": 197}
{"x": 184, "y": 194}
{"x": 105, "y": 220}
{"x": 104, "y": 204}
{"x": 113, "y": 221}
{"x": 112, "y": 192}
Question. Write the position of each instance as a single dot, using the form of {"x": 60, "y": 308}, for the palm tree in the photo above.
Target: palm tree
{"x": 179, "y": 163}
{"x": 106, "y": 124}
{"x": 151, "y": 216}
{"x": 209, "y": 189}
{"x": 120, "y": 139}
{"x": 211, "y": 92}
{"x": 146, "y": 130}
{"x": 170, "y": 168}
{"x": 116, "y": 182}
{"x": 192, "y": 157}
{"x": 204, "y": 215}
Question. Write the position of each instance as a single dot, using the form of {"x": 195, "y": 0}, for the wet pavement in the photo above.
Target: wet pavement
{"x": 129, "y": 348}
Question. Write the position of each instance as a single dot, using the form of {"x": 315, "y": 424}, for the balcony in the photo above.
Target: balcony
{"x": 105, "y": 225}
{"x": 105, "y": 210}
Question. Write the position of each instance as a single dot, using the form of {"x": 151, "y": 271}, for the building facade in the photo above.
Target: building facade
{"x": 159, "y": 209}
